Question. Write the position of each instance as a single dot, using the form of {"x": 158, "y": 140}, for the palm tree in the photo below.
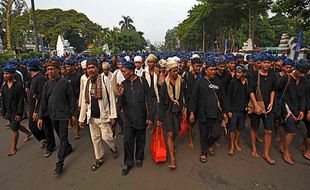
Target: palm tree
{"x": 126, "y": 23}
{"x": 6, "y": 6}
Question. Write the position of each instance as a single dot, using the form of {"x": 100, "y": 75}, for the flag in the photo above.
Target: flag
{"x": 225, "y": 46}
{"x": 42, "y": 47}
{"x": 299, "y": 43}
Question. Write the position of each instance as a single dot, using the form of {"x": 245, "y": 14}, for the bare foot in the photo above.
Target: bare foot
{"x": 307, "y": 156}
{"x": 268, "y": 159}
{"x": 190, "y": 145}
{"x": 281, "y": 149}
{"x": 28, "y": 138}
{"x": 259, "y": 139}
{"x": 238, "y": 148}
{"x": 231, "y": 152}
{"x": 12, "y": 152}
{"x": 254, "y": 154}
{"x": 287, "y": 158}
{"x": 172, "y": 165}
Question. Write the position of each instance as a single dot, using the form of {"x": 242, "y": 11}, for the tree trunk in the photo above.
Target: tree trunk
{"x": 203, "y": 37}
{"x": 8, "y": 28}
{"x": 35, "y": 32}
{"x": 251, "y": 24}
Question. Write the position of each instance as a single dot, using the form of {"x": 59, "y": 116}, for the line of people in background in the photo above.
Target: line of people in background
{"x": 214, "y": 92}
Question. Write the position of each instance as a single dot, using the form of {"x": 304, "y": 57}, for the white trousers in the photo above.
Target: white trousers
{"x": 100, "y": 132}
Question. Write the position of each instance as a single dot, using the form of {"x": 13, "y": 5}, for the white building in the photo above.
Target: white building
{"x": 63, "y": 46}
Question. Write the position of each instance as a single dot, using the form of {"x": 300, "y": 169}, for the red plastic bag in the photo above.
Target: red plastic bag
{"x": 158, "y": 147}
{"x": 184, "y": 127}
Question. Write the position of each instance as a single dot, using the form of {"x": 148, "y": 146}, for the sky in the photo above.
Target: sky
{"x": 153, "y": 17}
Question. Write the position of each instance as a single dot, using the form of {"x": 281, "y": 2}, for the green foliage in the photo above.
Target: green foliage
{"x": 4, "y": 57}
{"x": 294, "y": 8}
{"x": 74, "y": 26}
{"x": 170, "y": 40}
{"x": 237, "y": 20}
{"x": 31, "y": 54}
{"x": 95, "y": 51}
{"x": 126, "y": 23}
{"x": 129, "y": 40}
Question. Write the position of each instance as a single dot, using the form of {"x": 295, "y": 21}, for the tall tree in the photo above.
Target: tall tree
{"x": 294, "y": 9}
{"x": 74, "y": 26}
{"x": 6, "y": 7}
{"x": 126, "y": 23}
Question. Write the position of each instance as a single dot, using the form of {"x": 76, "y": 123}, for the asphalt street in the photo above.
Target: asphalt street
{"x": 28, "y": 169}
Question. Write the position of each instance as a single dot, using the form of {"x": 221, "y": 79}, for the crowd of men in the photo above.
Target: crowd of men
{"x": 214, "y": 92}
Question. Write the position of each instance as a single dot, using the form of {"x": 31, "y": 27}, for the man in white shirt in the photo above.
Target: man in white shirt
{"x": 138, "y": 63}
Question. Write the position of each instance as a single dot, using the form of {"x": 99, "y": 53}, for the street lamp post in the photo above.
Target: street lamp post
{"x": 35, "y": 32}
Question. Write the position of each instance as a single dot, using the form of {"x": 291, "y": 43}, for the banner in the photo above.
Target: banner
{"x": 225, "y": 46}
{"x": 42, "y": 47}
{"x": 298, "y": 46}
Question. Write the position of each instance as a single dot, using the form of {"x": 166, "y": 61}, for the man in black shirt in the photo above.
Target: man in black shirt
{"x": 237, "y": 95}
{"x": 13, "y": 105}
{"x": 262, "y": 90}
{"x": 37, "y": 81}
{"x": 74, "y": 78}
{"x": 171, "y": 107}
{"x": 136, "y": 103}
{"x": 58, "y": 100}
{"x": 222, "y": 72}
{"x": 293, "y": 88}
{"x": 189, "y": 82}
{"x": 209, "y": 102}
{"x": 151, "y": 75}
{"x": 307, "y": 118}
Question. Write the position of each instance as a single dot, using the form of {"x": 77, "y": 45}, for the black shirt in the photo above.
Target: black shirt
{"x": 166, "y": 105}
{"x": 237, "y": 95}
{"x": 12, "y": 99}
{"x": 57, "y": 99}
{"x": 189, "y": 83}
{"x": 307, "y": 77}
{"x": 136, "y": 103}
{"x": 35, "y": 91}
{"x": 204, "y": 101}
{"x": 224, "y": 78}
{"x": 267, "y": 85}
{"x": 295, "y": 95}
{"x": 74, "y": 79}
{"x": 95, "y": 110}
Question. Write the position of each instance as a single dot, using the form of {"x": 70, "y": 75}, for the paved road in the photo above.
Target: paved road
{"x": 28, "y": 169}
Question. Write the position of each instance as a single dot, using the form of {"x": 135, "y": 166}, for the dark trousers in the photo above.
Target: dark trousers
{"x": 134, "y": 139}
{"x": 49, "y": 133}
{"x": 210, "y": 131}
{"x": 37, "y": 133}
{"x": 61, "y": 128}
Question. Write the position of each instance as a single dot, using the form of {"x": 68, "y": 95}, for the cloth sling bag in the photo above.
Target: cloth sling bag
{"x": 258, "y": 96}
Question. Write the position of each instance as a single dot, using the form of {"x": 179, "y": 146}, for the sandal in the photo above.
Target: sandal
{"x": 203, "y": 158}
{"x": 95, "y": 166}
{"x": 114, "y": 153}
{"x": 173, "y": 165}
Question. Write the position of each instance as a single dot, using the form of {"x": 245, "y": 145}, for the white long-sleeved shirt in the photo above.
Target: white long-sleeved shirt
{"x": 107, "y": 104}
